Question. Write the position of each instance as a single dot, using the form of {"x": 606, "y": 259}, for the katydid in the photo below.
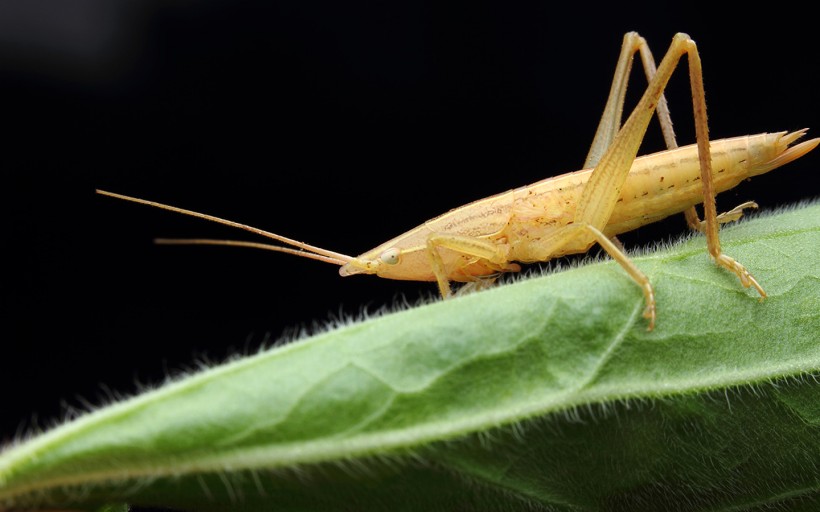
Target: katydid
{"x": 567, "y": 214}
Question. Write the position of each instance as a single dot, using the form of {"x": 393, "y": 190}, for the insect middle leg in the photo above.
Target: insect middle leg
{"x": 579, "y": 236}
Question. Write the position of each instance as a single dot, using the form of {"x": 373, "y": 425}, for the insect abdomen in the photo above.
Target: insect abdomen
{"x": 669, "y": 182}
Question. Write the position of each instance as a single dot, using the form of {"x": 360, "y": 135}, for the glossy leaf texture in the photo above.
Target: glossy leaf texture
{"x": 545, "y": 394}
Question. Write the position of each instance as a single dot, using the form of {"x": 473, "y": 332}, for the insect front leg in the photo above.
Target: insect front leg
{"x": 704, "y": 155}
{"x": 492, "y": 255}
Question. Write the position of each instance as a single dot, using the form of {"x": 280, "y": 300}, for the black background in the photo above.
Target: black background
{"x": 341, "y": 125}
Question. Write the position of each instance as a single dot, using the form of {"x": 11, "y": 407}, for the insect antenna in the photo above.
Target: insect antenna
{"x": 302, "y": 249}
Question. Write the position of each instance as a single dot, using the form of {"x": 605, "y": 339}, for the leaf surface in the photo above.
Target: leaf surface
{"x": 546, "y": 394}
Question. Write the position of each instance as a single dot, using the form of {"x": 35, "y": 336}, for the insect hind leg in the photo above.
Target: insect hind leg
{"x": 694, "y": 222}
{"x": 610, "y": 122}
{"x": 711, "y": 224}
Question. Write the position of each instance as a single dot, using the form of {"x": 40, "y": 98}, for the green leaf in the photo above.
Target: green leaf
{"x": 547, "y": 394}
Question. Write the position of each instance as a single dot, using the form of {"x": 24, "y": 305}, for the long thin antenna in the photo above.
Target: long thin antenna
{"x": 304, "y": 250}
{"x": 253, "y": 245}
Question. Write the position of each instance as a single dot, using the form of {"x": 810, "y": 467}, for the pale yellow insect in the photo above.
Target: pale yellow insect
{"x": 567, "y": 214}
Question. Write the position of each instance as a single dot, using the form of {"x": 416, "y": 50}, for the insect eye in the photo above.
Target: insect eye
{"x": 390, "y": 256}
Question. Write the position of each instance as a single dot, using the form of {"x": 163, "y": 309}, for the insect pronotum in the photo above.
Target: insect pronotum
{"x": 616, "y": 192}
